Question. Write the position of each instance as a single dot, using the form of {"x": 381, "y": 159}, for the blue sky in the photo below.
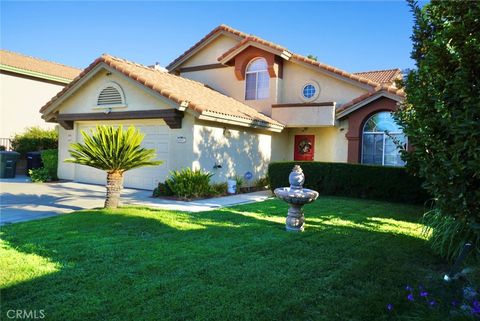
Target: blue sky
{"x": 354, "y": 35}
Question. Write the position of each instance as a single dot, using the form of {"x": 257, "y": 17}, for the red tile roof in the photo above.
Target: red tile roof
{"x": 200, "y": 98}
{"x": 37, "y": 65}
{"x": 297, "y": 57}
{"x": 387, "y": 76}
{"x": 378, "y": 89}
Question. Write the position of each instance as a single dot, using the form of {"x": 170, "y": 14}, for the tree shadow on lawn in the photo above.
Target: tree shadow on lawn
{"x": 134, "y": 264}
{"x": 326, "y": 208}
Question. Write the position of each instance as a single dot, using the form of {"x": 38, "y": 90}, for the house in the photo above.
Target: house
{"x": 231, "y": 104}
{"x": 27, "y": 83}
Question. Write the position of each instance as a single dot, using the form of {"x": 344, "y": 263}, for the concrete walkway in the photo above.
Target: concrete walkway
{"x": 21, "y": 200}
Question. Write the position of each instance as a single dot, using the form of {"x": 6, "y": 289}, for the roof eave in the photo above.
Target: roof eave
{"x": 35, "y": 74}
{"x": 251, "y": 123}
{"x": 366, "y": 101}
{"x": 285, "y": 54}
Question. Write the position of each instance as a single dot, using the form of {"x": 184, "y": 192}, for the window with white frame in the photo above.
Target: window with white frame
{"x": 381, "y": 140}
{"x": 257, "y": 80}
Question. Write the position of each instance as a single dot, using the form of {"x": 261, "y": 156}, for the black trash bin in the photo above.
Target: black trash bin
{"x": 8, "y": 164}
{"x": 34, "y": 161}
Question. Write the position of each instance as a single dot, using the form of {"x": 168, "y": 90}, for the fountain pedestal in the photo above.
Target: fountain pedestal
{"x": 296, "y": 196}
{"x": 295, "y": 218}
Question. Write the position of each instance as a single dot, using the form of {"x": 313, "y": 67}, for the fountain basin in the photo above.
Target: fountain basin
{"x": 297, "y": 196}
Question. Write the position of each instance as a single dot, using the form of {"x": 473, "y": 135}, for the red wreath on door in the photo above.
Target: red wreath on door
{"x": 304, "y": 148}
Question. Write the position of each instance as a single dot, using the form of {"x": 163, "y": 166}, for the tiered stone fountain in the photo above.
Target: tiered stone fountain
{"x": 296, "y": 196}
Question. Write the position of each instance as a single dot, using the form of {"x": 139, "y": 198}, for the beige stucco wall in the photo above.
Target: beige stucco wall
{"x": 224, "y": 81}
{"x": 20, "y": 101}
{"x": 311, "y": 116}
{"x": 330, "y": 142}
{"x": 175, "y": 154}
{"x": 210, "y": 53}
{"x": 242, "y": 150}
{"x": 136, "y": 98}
{"x": 295, "y": 76}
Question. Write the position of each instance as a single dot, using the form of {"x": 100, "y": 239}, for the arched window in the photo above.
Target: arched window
{"x": 257, "y": 80}
{"x": 111, "y": 94}
{"x": 381, "y": 139}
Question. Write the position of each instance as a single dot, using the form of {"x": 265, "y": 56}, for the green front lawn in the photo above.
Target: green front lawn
{"x": 354, "y": 258}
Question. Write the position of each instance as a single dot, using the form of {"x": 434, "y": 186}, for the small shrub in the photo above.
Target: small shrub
{"x": 262, "y": 182}
{"x": 353, "y": 180}
{"x": 35, "y": 139}
{"x": 48, "y": 172}
{"x": 188, "y": 183}
{"x": 3, "y": 148}
{"x": 39, "y": 175}
{"x": 240, "y": 181}
{"x": 219, "y": 189}
{"x": 447, "y": 234}
{"x": 162, "y": 190}
{"x": 50, "y": 162}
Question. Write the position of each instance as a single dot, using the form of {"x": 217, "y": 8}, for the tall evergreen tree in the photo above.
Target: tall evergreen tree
{"x": 441, "y": 117}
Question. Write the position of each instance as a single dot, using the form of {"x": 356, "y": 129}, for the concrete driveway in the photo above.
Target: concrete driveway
{"x": 21, "y": 200}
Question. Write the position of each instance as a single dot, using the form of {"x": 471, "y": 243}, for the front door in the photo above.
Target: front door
{"x": 304, "y": 147}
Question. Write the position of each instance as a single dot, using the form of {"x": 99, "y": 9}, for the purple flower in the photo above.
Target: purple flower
{"x": 389, "y": 307}
{"x": 476, "y": 307}
{"x": 476, "y": 310}
{"x": 454, "y": 303}
{"x": 408, "y": 288}
{"x": 424, "y": 294}
{"x": 410, "y": 297}
{"x": 432, "y": 303}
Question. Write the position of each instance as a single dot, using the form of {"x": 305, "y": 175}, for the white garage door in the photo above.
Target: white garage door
{"x": 156, "y": 137}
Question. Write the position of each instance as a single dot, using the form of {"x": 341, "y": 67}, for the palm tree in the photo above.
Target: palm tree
{"x": 115, "y": 151}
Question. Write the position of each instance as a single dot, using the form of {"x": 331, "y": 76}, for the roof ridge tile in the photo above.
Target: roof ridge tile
{"x": 379, "y": 70}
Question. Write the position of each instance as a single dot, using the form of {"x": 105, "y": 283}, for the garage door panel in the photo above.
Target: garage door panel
{"x": 156, "y": 137}
{"x": 145, "y": 177}
{"x": 90, "y": 175}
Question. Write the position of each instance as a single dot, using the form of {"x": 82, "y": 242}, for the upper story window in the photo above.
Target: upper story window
{"x": 310, "y": 91}
{"x": 257, "y": 80}
{"x": 111, "y": 94}
{"x": 381, "y": 138}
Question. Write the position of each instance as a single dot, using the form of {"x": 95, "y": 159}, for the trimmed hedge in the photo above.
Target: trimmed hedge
{"x": 50, "y": 162}
{"x": 354, "y": 180}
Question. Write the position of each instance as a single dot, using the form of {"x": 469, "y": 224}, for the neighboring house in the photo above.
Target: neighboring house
{"x": 231, "y": 104}
{"x": 26, "y": 84}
